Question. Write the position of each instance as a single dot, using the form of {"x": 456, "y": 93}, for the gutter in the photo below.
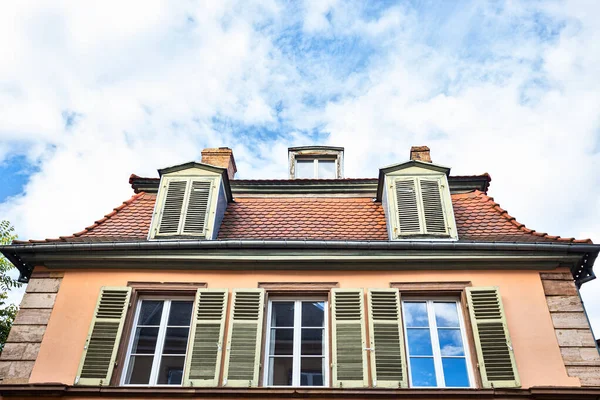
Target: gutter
{"x": 583, "y": 272}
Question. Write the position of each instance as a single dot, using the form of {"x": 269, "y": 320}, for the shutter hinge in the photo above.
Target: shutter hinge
{"x": 369, "y": 349}
{"x": 76, "y": 380}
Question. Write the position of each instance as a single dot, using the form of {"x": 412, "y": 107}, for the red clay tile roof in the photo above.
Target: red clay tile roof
{"x": 478, "y": 218}
{"x": 302, "y": 218}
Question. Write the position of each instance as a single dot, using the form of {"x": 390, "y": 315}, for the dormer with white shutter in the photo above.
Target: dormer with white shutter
{"x": 416, "y": 199}
{"x": 191, "y": 202}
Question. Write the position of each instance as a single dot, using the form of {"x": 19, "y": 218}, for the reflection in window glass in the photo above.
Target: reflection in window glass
{"x": 326, "y": 169}
{"x": 158, "y": 347}
{"x": 291, "y": 363}
{"x": 435, "y": 344}
{"x": 305, "y": 169}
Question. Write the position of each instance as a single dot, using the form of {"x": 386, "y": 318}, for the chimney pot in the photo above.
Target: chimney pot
{"x": 420, "y": 153}
{"x": 220, "y": 157}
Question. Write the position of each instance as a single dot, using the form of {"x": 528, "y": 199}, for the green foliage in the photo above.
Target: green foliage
{"x": 7, "y": 312}
{"x": 7, "y": 235}
{"x": 7, "y": 316}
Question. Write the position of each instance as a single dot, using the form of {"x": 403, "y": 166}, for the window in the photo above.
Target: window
{"x": 159, "y": 340}
{"x": 317, "y": 168}
{"x": 436, "y": 344}
{"x": 296, "y": 346}
{"x": 316, "y": 162}
{"x": 183, "y": 207}
{"x": 420, "y": 207}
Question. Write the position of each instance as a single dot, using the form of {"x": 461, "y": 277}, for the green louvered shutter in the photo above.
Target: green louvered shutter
{"x": 102, "y": 342}
{"x": 245, "y": 326}
{"x": 407, "y": 201}
{"x": 388, "y": 365}
{"x": 196, "y": 212}
{"x": 206, "y": 338}
{"x": 494, "y": 349}
{"x": 170, "y": 217}
{"x": 348, "y": 338}
{"x": 433, "y": 208}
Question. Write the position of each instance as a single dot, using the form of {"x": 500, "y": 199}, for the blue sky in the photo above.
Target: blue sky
{"x": 90, "y": 93}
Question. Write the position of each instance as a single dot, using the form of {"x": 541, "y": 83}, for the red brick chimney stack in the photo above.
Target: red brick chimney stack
{"x": 420, "y": 153}
{"x": 220, "y": 157}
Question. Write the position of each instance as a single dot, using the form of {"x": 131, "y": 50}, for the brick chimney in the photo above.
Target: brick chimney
{"x": 420, "y": 153}
{"x": 220, "y": 157}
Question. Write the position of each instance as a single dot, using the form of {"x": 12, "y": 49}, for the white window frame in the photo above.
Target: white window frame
{"x": 435, "y": 341}
{"x": 316, "y": 166}
{"x": 160, "y": 341}
{"x": 296, "y": 366}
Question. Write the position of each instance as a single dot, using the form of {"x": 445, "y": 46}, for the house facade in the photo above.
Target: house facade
{"x": 414, "y": 284}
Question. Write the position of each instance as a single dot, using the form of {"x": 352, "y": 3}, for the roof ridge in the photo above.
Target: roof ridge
{"x": 496, "y": 206}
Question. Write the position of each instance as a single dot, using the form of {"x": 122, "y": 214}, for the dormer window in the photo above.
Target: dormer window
{"x": 316, "y": 162}
{"x": 191, "y": 202}
{"x": 185, "y": 207}
{"x": 416, "y": 200}
{"x": 419, "y": 207}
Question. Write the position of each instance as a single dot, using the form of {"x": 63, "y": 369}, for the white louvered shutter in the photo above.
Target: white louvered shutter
{"x": 433, "y": 208}
{"x": 245, "y": 326}
{"x": 388, "y": 365}
{"x": 197, "y": 208}
{"x": 172, "y": 208}
{"x": 407, "y": 202}
{"x": 494, "y": 349}
{"x": 102, "y": 343}
{"x": 206, "y": 338}
{"x": 348, "y": 338}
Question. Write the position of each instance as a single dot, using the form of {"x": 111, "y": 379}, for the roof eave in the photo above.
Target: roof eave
{"x": 24, "y": 257}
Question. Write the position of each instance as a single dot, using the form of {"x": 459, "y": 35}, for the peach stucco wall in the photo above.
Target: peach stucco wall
{"x": 538, "y": 357}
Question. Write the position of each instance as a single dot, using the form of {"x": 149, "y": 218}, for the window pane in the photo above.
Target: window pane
{"x": 150, "y": 312}
{"x": 282, "y": 341}
{"x": 280, "y": 371}
{"x": 419, "y": 342}
{"x": 145, "y": 341}
{"x": 282, "y": 313}
{"x": 176, "y": 341}
{"x": 305, "y": 169}
{"x": 451, "y": 342}
{"x": 311, "y": 371}
{"x": 422, "y": 372}
{"x": 455, "y": 372}
{"x": 327, "y": 169}
{"x": 312, "y": 342}
{"x": 139, "y": 370}
{"x": 180, "y": 314}
{"x": 415, "y": 314}
{"x": 313, "y": 313}
{"x": 171, "y": 370}
{"x": 446, "y": 314}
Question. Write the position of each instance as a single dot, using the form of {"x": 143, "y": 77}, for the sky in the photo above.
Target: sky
{"x": 91, "y": 92}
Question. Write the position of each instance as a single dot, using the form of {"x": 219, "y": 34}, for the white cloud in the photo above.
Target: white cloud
{"x": 510, "y": 88}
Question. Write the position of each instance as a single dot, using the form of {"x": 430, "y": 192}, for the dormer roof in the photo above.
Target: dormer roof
{"x": 405, "y": 166}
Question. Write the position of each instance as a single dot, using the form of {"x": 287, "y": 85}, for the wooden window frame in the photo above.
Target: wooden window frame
{"x": 436, "y": 355}
{"x": 161, "y": 337}
{"x": 290, "y": 289}
{"x": 297, "y": 356}
{"x": 445, "y": 289}
{"x": 169, "y": 290}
